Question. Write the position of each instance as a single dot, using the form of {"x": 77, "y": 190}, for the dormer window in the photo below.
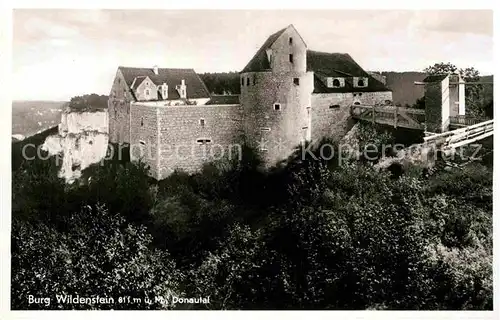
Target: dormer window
{"x": 335, "y": 82}
{"x": 269, "y": 53}
{"x": 181, "y": 89}
{"x": 360, "y": 82}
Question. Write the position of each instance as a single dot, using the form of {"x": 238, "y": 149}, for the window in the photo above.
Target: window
{"x": 290, "y": 40}
{"x": 360, "y": 94}
{"x": 265, "y": 129}
{"x": 296, "y": 81}
{"x": 202, "y": 122}
{"x": 248, "y": 81}
{"x": 254, "y": 80}
{"x": 142, "y": 122}
{"x": 290, "y": 58}
{"x": 147, "y": 92}
{"x": 277, "y": 106}
{"x": 361, "y": 83}
{"x": 203, "y": 141}
{"x": 357, "y": 103}
{"x": 142, "y": 142}
{"x": 242, "y": 81}
{"x": 334, "y": 106}
{"x": 334, "y": 82}
{"x": 354, "y": 94}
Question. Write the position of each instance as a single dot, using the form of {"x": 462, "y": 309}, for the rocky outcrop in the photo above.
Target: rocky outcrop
{"x": 82, "y": 140}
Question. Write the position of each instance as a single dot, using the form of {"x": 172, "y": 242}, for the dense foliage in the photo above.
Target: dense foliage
{"x": 88, "y": 102}
{"x": 303, "y": 235}
{"x": 478, "y": 97}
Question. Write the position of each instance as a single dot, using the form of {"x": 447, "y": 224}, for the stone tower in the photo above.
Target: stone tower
{"x": 444, "y": 98}
{"x": 276, "y": 96}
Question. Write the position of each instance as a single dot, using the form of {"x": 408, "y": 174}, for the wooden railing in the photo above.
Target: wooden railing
{"x": 464, "y": 121}
{"x": 456, "y": 138}
{"x": 390, "y": 115}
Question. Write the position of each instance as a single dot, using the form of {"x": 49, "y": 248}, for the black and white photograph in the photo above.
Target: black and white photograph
{"x": 223, "y": 159}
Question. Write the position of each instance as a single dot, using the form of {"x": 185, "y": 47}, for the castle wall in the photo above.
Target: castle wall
{"x": 144, "y": 136}
{"x": 176, "y": 130}
{"x": 330, "y": 112}
{"x": 276, "y": 133}
{"x": 119, "y": 110}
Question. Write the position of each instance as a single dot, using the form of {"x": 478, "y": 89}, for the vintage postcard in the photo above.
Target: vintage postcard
{"x": 326, "y": 159}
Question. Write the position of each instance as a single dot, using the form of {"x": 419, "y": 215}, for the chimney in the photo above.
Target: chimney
{"x": 155, "y": 69}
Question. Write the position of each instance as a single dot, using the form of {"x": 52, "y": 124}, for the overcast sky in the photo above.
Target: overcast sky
{"x": 72, "y": 52}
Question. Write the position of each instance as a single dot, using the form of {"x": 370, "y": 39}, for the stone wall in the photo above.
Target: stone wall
{"x": 144, "y": 136}
{"x": 331, "y": 112}
{"x": 119, "y": 110}
{"x": 437, "y": 105}
{"x": 282, "y": 48}
{"x": 276, "y": 133}
{"x": 187, "y": 136}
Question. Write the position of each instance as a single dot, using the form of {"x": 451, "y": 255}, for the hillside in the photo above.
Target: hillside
{"x": 31, "y": 117}
{"x": 404, "y": 91}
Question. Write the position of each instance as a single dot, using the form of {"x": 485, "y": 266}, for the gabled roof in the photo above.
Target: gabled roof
{"x": 435, "y": 78}
{"x": 339, "y": 65}
{"x": 196, "y": 88}
{"x": 259, "y": 62}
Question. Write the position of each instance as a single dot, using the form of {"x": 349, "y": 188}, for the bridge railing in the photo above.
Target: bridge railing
{"x": 390, "y": 115}
{"x": 462, "y": 136}
{"x": 464, "y": 121}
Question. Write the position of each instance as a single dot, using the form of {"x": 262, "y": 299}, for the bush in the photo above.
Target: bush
{"x": 99, "y": 254}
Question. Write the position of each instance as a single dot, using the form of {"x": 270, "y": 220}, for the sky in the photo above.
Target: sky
{"x": 73, "y": 52}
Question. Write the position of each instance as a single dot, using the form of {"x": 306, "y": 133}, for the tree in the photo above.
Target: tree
{"x": 475, "y": 105}
{"x": 99, "y": 254}
{"x": 441, "y": 68}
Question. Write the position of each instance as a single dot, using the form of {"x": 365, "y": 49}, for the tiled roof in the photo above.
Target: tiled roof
{"x": 435, "y": 78}
{"x": 339, "y": 65}
{"x": 195, "y": 87}
{"x": 224, "y": 99}
{"x": 259, "y": 62}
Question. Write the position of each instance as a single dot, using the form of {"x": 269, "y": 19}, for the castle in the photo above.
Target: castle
{"x": 289, "y": 94}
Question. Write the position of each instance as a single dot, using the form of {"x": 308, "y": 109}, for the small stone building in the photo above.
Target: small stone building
{"x": 289, "y": 94}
